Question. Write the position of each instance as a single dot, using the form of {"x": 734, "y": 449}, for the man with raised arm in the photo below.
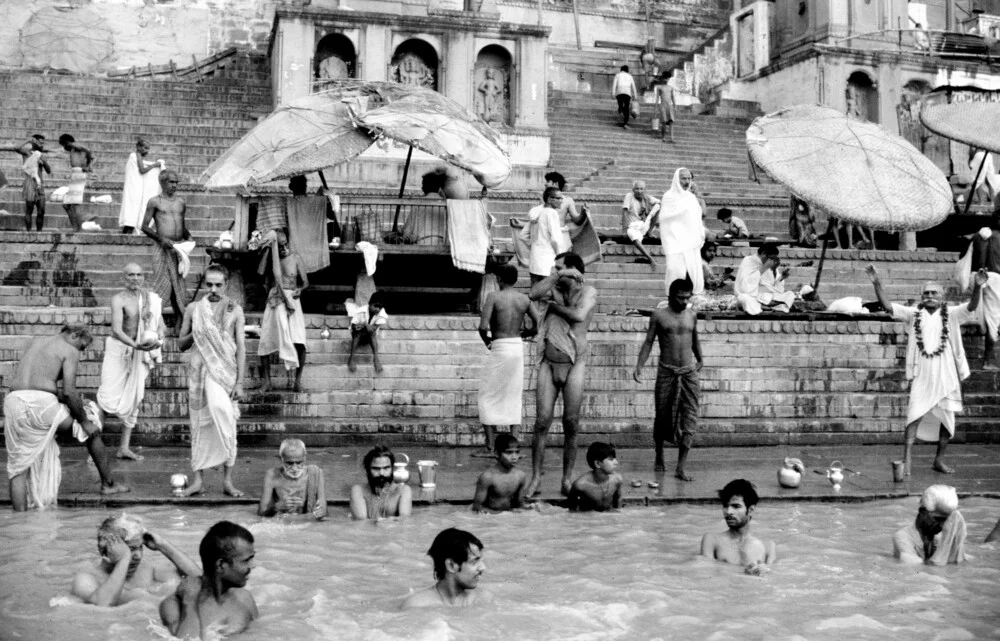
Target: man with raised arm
{"x": 167, "y": 212}
{"x": 213, "y": 325}
{"x": 33, "y": 186}
{"x": 130, "y": 353}
{"x": 80, "y": 160}
{"x": 502, "y": 382}
{"x": 935, "y": 362}
{"x": 215, "y": 602}
{"x": 563, "y": 364}
{"x": 34, "y": 410}
{"x": 678, "y": 387}
{"x": 737, "y": 545}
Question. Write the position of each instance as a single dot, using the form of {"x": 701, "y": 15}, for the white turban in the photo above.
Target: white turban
{"x": 940, "y": 498}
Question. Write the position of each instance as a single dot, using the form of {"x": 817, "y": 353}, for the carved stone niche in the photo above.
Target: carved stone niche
{"x": 415, "y": 63}
{"x": 491, "y": 85}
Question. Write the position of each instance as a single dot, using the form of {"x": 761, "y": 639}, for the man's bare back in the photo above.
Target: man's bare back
{"x": 508, "y": 310}
{"x": 46, "y": 361}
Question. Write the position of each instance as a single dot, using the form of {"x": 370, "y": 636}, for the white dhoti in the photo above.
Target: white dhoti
{"x": 75, "y": 187}
{"x": 637, "y": 230}
{"x": 685, "y": 264}
{"x": 502, "y": 383}
{"x": 213, "y": 428}
{"x": 281, "y": 329}
{"x": 988, "y": 312}
{"x": 30, "y": 421}
{"x": 753, "y": 305}
{"x": 123, "y": 381}
{"x": 137, "y": 189}
{"x": 211, "y": 380}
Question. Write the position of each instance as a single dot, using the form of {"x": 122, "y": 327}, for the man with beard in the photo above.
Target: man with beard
{"x": 167, "y": 211}
{"x": 381, "y": 498}
{"x": 217, "y": 600}
{"x": 458, "y": 564}
{"x": 123, "y": 567}
{"x": 213, "y": 325}
{"x": 130, "y": 353}
{"x": 935, "y": 363}
{"x": 736, "y": 545}
{"x": 677, "y": 388}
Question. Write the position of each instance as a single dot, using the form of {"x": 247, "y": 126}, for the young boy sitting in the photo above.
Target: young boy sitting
{"x": 735, "y": 227}
{"x": 501, "y": 486}
{"x": 366, "y": 321}
{"x": 293, "y": 488}
{"x": 601, "y": 488}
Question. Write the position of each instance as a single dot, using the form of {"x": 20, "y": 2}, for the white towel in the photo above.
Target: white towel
{"x": 184, "y": 250}
{"x": 468, "y": 234}
{"x": 371, "y": 256}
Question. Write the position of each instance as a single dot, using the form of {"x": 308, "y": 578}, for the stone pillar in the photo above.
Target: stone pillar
{"x": 292, "y": 60}
{"x": 531, "y": 93}
{"x": 907, "y": 240}
{"x": 456, "y": 66}
{"x": 376, "y": 53}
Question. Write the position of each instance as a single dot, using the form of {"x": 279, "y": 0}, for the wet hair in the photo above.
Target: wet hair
{"x": 768, "y": 249}
{"x": 79, "y": 330}
{"x": 504, "y": 441}
{"x": 507, "y": 274}
{"x": 598, "y": 452}
{"x": 122, "y": 526}
{"x": 453, "y": 544}
{"x": 572, "y": 260}
{"x": 681, "y": 285}
{"x": 219, "y": 544}
{"x": 298, "y": 184}
{"x": 739, "y": 487}
{"x": 291, "y": 445}
{"x": 377, "y": 452}
{"x": 168, "y": 172}
{"x": 708, "y": 245}
{"x": 66, "y": 139}
{"x": 625, "y": 68}
{"x": 557, "y": 178}
{"x": 549, "y": 192}
{"x": 38, "y": 136}
{"x": 376, "y": 299}
{"x": 216, "y": 268}
{"x": 724, "y": 213}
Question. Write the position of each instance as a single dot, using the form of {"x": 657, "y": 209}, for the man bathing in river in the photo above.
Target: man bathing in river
{"x": 736, "y": 545}
{"x": 381, "y": 498}
{"x": 458, "y": 564}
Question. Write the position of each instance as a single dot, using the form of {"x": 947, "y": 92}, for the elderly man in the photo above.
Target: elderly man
{"x": 986, "y": 255}
{"x": 458, "y": 564}
{"x": 760, "y": 284}
{"x": 639, "y": 214}
{"x": 937, "y": 535}
{"x": 682, "y": 232}
{"x": 381, "y": 498}
{"x": 34, "y": 411}
{"x": 213, "y": 325}
{"x": 562, "y": 368}
{"x": 130, "y": 353}
{"x": 167, "y": 212}
{"x": 935, "y": 363}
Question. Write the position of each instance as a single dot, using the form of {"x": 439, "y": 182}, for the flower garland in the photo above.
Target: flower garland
{"x": 944, "y": 333}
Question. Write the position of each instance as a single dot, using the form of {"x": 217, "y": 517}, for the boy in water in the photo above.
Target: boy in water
{"x": 293, "y": 488}
{"x": 501, "y": 487}
{"x": 600, "y": 489}
{"x": 737, "y": 545}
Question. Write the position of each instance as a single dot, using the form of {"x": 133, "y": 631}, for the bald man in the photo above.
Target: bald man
{"x": 130, "y": 353}
{"x": 935, "y": 363}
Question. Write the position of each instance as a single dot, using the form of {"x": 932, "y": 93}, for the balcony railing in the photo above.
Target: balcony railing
{"x": 943, "y": 44}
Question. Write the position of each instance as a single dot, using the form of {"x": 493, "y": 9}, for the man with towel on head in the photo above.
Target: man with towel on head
{"x": 142, "y": 182}
{"x": 173, "y": 242}
{"x": 937, "y": 536}
{"x": 502, "y": 383}
{"x": 935, "y": 362}
{"x": 571, "y": 304}
{"x": 986, "y": 255}
{"x": 34, "y": 410}
{"x": 213, "y": 325}
{"x": 682, "y": 232}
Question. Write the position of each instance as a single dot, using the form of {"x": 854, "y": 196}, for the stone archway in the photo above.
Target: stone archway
{"x": 415, "y": 62}
{"x": 491, "y": 85}
{"x": 862, "y": 97}
{"x": 335, "y": 58}
{"x": 908, "y": 115}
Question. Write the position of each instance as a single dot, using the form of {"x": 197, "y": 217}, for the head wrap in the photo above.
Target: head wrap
{"x": 681, "y": 228}
{"x": 940, "y": 498}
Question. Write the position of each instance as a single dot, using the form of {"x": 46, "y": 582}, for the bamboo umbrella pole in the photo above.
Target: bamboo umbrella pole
{"x": 402, "y": 189}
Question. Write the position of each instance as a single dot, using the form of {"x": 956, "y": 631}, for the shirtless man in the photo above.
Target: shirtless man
{"x": 502, "y": 382}
{"x": 501, "y": 486}
{"x": 600, "y": 489}
{"x": 382, "y": 498}
{"x": 677, "y": 385}
{"x": 288, "y": 281}
{"x": 32, "y": 189}
{"x": 736, "y": 545}
{"x": 127, "y": 357}
{"x": 123, "y": 567}
{"x": 458, "y": 564}
{"x": 216, "y": 600}
{"x": 80, "y": 160}
{"x": 563, "y": 366}
{"x": 167, "y": 212}
{"x": 34, "y": 405}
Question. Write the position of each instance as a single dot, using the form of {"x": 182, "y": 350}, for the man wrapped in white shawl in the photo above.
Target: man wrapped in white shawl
{"x": 142, "y": 182}
{"x": 759, "y": 284}
{"x": 937, "y": 536}
{"x": 682, "y": 232}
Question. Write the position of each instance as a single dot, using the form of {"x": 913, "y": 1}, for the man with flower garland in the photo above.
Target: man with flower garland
{"x": 935, "y": 362}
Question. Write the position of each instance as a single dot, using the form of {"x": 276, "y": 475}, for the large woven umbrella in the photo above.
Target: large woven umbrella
{"x": 976, "y": 124}
{"x": 854, "y": 170}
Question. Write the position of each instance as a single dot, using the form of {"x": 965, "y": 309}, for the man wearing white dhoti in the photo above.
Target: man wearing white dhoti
{"x": 935, "y": 363}
{"x": 213, "y": 325}
{"x": 759, "y": 284}
{"x": 283, "y": 328}
{"x": 34, "y": 411}
{"x": 682, "y": 232}
{"x": 142, "y": 182}
{"x": 501, "y": 385}
{"x": 132, "y": 350}
{"x": 986, "y": 255}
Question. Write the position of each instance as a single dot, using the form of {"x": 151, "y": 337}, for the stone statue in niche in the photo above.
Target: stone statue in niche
{"x": 856, "y": 107}
{"x": 333, "y": 68}
{"x": 412, "y": 70}
{"x": 492, "y": 101}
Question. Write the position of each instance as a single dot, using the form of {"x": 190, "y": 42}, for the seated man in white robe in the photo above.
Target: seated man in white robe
{"x": 937, "y": 536}
{"x": 935, "y": 363}
{"x": 759, "y": 284}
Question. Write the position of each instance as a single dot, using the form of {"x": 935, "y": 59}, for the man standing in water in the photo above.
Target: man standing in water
{"x": 167, "y": 212}
{"x": 502, "y": 383}
{"x": 458, "y": 564}
{"x": 563, "y": 364}
{"x": 737, "y": 545}
{"x": 381, "y": 498}
{"x": 677, "y": 388}
{"x": 935, "y": 363}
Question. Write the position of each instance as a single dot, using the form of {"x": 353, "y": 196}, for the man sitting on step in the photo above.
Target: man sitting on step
{"x": 760, "y": 284}
{"x": 639, "y": 215}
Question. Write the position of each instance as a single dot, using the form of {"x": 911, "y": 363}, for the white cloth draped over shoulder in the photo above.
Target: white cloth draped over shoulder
{"x": 137, "y": 189}
{"x": 682, "y": 234}
{"x": 754, "y": 288}
{"x": 125, "y": 369}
